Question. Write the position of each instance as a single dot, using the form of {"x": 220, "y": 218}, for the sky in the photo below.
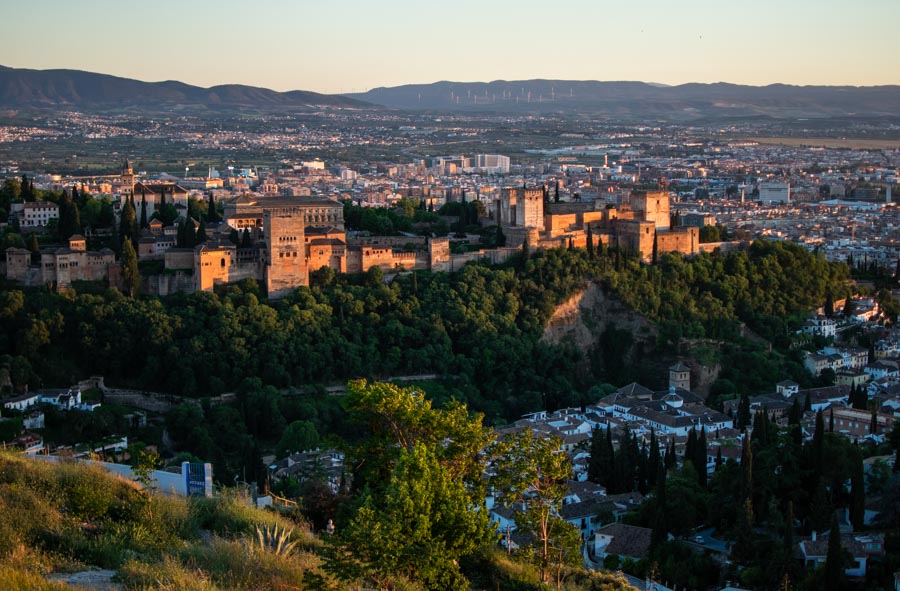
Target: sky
{"x": 340, "y": 46}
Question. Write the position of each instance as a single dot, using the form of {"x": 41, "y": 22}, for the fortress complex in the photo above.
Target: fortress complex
{"x": 638, "y": 226}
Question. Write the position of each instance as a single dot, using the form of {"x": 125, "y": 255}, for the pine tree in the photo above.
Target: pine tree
{"x": 834, "y": 560}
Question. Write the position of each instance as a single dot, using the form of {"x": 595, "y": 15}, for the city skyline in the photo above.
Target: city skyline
{"x": 358, "y": 46}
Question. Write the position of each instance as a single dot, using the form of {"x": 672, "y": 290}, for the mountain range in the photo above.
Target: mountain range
{"x": 87, "y": 90}
{"x": 641, "y": 99}
{"x": 74, "y": 89}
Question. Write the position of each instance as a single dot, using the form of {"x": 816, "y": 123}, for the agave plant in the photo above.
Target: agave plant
{"x": 272, "y": 538}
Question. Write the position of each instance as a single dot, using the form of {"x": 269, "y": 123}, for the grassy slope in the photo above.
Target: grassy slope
{"x": 68, "y": 517}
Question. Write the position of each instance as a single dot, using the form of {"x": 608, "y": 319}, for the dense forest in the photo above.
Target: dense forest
{"x": 480, "y": 325}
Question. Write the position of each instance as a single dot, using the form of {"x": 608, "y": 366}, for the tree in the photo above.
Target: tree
{"x": 130, "y": 274}
{"x": 297, "y": 437}
{"x": 128, "y": 223}
{"x": 147, "y": 463}
{"x": 743, "y": 416}
{"x": 422, "y": 518}
{"x": 530, "y": 472}
{"x": 246, "y": 242}
{"x": 857, "y": 507}
{"x": 144, "y": 224}
{"x": 420, "y": 528}
{"x": 201, "y": 232}
{"x": 590, "y": 242}
{"x": 834, "y": 559}
{"x": 34, "y": 247}
{"x": 211, "y": 213}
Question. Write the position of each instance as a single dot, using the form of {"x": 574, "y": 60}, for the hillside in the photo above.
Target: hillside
{"x": 71, "y": 522}
{"x": 60, "y": 519}
{"x": 75, "y": 89}
{"x": 637, "y": 100}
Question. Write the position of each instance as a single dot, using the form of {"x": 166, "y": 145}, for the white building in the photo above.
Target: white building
{"x": 774, "y": 193}
{"x": 492, "y": 163}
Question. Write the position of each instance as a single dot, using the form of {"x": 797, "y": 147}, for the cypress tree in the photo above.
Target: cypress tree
{"x": 689, "y": 451}
{"x": 818, "y": 444}
{"x": 213, "y": 215}
{"x": 670, "y": 456}
{"x": 807, "y": 403}
{"x": 743, "y": 542}
{"x": 831, "y": 420}
{"x": 834, "y": 560}
{"x": 610, "y": 461}
{"x": 246, "y": 242}
{"x": 794, "y": 426}
{"x": 590, "y": 242}
{"x": 747, "y": 469}
{"x": 718, "y": 457}
{"x": 660, "y": 529}
{"x": 35, "y": 248}
{"x": 857, "y": 507}
{"x": 873, "y": 426}
{"x": 128, "y": 222}
{"x": 556, "y": 193}
{"x": 130, "y": 275}
{"x": 700, "y": 454}
{"x": 201, "y": 232}
{"x": 653, "y": 459}
{"x": 144, "y": 224}
{"x": 743, "y": 418}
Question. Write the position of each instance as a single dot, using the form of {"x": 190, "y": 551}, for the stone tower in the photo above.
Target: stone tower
{"x": 654, "y": 207}
{"x": 127, "y": 179}
{"x": 285, "y": 232}
{"x": 680, "y": 376}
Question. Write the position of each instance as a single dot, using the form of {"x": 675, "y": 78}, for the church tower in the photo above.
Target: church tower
{"x": 127, "y": 179}
{"x": 680, "y": 376}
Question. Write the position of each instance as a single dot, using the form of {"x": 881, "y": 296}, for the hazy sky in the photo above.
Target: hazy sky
{"x": 355, "y": 45}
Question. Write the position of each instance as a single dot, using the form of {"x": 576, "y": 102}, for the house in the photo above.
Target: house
{"x": 861, "y": 547}
{"x": 624, "y": 541}
{"x": 21, "y": 402}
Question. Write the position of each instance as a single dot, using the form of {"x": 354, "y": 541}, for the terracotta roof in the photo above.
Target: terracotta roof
{"x": 627, "y": 540}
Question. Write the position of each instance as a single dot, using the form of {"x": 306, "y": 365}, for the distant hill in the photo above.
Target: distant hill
{"x": 643, "y": 100}
{"x": 86, "y": 90}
